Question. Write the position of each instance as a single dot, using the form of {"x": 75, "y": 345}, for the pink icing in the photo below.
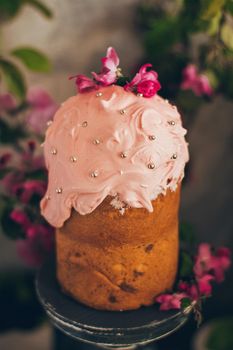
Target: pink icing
{"x": 128, "y": 141}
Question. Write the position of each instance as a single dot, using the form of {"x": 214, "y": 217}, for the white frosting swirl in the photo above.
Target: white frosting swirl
{"x": 117, "y": 144}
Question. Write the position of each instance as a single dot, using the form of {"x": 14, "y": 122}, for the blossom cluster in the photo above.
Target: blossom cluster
{"x": 208, "y": 267}
{"x": 22, "y": 190}
{"x": 23, "y": 178}
{"x": 144, "y": 83}
{"x": 198, "y": 83}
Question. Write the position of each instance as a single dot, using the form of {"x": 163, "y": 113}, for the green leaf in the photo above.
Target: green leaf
{"x": 213, "y": 79}
{"x": 13, "y": 78}
{"x": 227, "y": 82}
{"x": 10, "y": 227}
{"x": 229, "y": 6}
{"x": 227, "y": 35}
{"x": 185, "y": 302}
{"x": 164, "y": 33}
{"x": 11, "y": 134}
{"x": 32, "y": 59}
{"x": 4, "y": 172}
{"x": 213, "y": 26}
{"x": 122, "y": 81}
{"x": 210, "y": 8}
{"x": 186, "y": 266}
{"x": 187, "y": 234}
{"x": 9, "y": 8}
{"x": 221, "y": 335}
{"x": 40, "y": 7}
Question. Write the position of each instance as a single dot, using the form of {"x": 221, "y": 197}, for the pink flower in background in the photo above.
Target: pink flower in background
{"x": 38, "y": 243}
{"x": 84, "y": 84}
{"x": 170, "y": 301}
{"x": 7, "y": 102}
{"x": 10, "y": 180}
{"x": 20, "y": 218}
{"x": 206, "y": 262}
{"x": 198, "y": 83}
{"x": 110, "y": 63}
{"x": 208, "y": 267}
{"x": 28, "y": 188}
{"x": 5, "y": 159}
{"x": 145, "y": 82}
{"x": 29, "y": 160}
{"x": 42, "y": 109}
{"x": 221, "y": 262}
{"x": 204, "y": 259}
{"x": 223, "y": 255}
{"x": 190, "y": 289}
{"x": 204, "y": 286}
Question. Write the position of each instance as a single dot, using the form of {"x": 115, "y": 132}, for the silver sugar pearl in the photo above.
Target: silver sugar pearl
{"x": 84, "y": 124}
{"x": 48, "y": 198}
{"x": 152, "y": 137}
{"x": 123, "y": 154}
{"x": 96, "y": 142}
{"x": 122, "y": 111}
{"x": 166, "y": 101}
{"x": 49, "y": 122}
{"x": 53, "y": 151}
{"x": 59, "y": 190}
{"x": 140, "y": 95}
{"x": 172, "y": 122}
{"x": 174, "y": 156}
{"x": 73, "y": 159}
{"x": 99, "y": 94}
{"x": 94, "y": 173}
{"x": 151, "y": 166}
{"x": 143, "y": 185}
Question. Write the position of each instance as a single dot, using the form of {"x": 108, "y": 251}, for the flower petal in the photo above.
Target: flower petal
{"x": 111, "y": 54}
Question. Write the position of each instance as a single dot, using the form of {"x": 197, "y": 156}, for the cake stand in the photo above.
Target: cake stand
{"x": 105, "y": 329}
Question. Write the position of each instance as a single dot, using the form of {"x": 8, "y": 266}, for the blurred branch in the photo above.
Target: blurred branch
{"x": 40, "y": 7}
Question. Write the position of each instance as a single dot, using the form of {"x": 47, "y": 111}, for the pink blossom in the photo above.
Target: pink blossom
{"x": 28, "y": 188}
{"x": 20, "y": 218}
{"x": 203, "y": 86}
{"x": 4, "y": 159}
{"x": 204, "y": 285}
{"x": 29, "y": 160}
{"x": 31, "y": 146}
{"x": 84, "y": 84}
{"x": 9, "y": 182}
{"x": 206, "y": 262}
{"x": 224, "y": 256}
{"x": 148, "y": 88}
{"x": 203, "y": 263}
{"x": 39, "y": 242}
{"x": 221, "y": 262}
{"x": 145, "y": 82}
{"x": 193, "y": 292}
{"x": 7, "y": 102}
{"x": 170, "y": 301}
{"x": 190, "y": 289}
{"x": 32, "y": 162}
{"x": 42, "y": 109}
{"x": 198, "y": 83}
{"x": 108, "y": 74}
